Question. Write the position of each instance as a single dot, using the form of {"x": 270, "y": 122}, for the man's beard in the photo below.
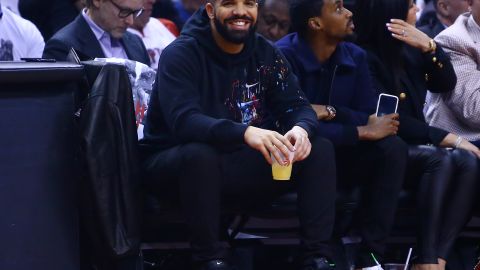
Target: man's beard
{"x": 234, "y": 36}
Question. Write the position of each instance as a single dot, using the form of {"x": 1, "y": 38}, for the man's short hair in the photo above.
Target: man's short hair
{"x": 301, "y": 11}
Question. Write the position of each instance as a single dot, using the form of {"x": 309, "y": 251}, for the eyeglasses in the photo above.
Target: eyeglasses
{"x": 125, "y": 12}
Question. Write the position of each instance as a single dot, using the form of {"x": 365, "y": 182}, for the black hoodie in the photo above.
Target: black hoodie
{"x": 203, "y": 94}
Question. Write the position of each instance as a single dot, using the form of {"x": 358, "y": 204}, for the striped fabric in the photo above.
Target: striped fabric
{"x": 459, "y": 111}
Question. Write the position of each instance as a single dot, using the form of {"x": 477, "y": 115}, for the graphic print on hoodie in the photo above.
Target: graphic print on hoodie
{"x": 246, "y": 97}
{"x": 203, "y": 94}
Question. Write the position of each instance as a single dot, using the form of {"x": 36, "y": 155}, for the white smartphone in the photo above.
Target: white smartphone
{"x": 386, "y": 104}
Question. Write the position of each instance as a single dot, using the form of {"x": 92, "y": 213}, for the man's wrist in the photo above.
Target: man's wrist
{"x": 301, "y": 129}
{"x": 363, "y": 133}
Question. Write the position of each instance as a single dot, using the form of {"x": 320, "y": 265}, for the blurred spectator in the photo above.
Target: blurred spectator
{"x": 425, "y": 12}
{"x": 166, "y": 9}
{"x": 18, "y": 37}
{"x": 273, "y": 19}
{"x": 335, "y": 78}
{"x": 170, "y": 25}
{"x": 405, "y": 62}
{"x": 186, "y": 8}
{"x": 459, "y": 111}
{"x": 101, "y": 31}
{"x": 49, "y": 16}
{"x": 446, "y": 12}
{"x": 154, "y": 34}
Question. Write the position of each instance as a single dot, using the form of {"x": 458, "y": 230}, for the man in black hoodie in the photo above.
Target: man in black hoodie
{"x": 223, "y": 98}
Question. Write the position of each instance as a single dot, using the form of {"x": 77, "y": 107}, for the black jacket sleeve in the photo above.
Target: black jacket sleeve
{"x": 56, "y": 49}
{"x": 287, "y": 101}
{"x": 440, "y": 75}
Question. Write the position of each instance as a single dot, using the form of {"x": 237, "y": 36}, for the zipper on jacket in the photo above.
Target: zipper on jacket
{"x": 331, "y": 84}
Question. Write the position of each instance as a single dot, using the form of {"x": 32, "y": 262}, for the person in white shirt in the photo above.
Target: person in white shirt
{"x": 18, "y": 37}
{"x": 154, "y": 34}
{"x": 458, "y": 111}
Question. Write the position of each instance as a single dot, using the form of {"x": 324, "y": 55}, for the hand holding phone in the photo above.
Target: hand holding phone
{"x": 387, "y": 104}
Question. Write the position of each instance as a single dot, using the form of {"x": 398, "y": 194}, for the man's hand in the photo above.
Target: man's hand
{"x": 299, "y": 138}
{"x": 379, "y": 127}
{"x": 321, "y": 111}
{"x": 267, "y": 141}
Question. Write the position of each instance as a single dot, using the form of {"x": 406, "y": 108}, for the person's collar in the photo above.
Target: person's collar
{"x": 340, "y": 57}
{"x": 473, "y": 22}
{"x": 475, "y": 27}
{"x": 97, "y": 30}
{"x": 305, "y": 54}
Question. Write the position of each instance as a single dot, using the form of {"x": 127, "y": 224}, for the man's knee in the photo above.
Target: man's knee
{"x": 323, "y": 148}
{"x": 198, "y": 154}
{"x": 393, "y": 147}
{"x": 322, "y": 154}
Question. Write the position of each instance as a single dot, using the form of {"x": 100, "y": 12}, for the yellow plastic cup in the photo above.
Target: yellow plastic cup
{"x": 279, "y": 171}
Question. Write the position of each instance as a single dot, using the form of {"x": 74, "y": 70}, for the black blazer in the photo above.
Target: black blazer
{"x": 79, "y": 36}
{"x": 422, "y": 72}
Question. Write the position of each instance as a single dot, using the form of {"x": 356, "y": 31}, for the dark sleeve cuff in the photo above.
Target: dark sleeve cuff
{"x": 307, "y": 128}
{"x": 239, "y": 133}
{"x": 436, "y": 135}
{"x": 350, "y": 134}
{"x": 341, "y": 116}
{"x": 230, "y": 133}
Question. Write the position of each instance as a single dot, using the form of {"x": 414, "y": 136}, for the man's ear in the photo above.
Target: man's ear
{"x": 315, "y": 24}
{"x": 210, "y": 10}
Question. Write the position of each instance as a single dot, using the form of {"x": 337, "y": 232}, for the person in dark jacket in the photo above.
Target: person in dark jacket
{"x": 334, "y": 76}
{"x": 100, "y": 31}
{"x": 446, "y": 12}
{"x": 405, "y": 62}
{"x": 225, "y": 100}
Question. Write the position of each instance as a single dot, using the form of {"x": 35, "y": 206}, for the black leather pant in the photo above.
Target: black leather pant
{"x": 207, "y": 178}
{"x": 378, "y": 168}
{"x": 445, "y": 181}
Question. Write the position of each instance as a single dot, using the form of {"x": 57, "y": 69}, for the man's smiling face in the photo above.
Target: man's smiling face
{"x": 235, "y": 20}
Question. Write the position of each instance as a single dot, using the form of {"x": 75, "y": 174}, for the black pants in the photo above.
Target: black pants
{"x": 378, "y": 169}
{"x": 206, "y": 175}
{"x": 445, "y": 181}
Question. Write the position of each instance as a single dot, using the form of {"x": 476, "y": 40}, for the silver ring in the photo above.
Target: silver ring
{"x": 403, "y": 33}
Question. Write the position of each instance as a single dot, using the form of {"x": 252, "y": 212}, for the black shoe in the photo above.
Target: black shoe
{"x": 217, "y": 264}
{"x": 316, "y": 263}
